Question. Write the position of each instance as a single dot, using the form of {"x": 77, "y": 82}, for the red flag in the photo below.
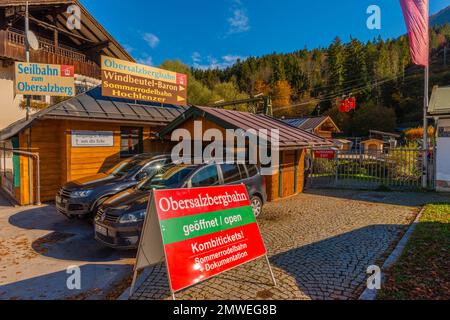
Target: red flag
{"x": 417, "y": 23}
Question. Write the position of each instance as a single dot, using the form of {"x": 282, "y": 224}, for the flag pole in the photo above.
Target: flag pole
{"x": 425, "y": 110}
{"x": 425, "y": 129}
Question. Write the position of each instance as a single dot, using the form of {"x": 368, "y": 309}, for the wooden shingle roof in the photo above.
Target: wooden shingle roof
{"x": 289, "y": 136}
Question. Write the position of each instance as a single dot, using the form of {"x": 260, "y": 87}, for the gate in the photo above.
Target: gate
{"x": 393, "y": 168}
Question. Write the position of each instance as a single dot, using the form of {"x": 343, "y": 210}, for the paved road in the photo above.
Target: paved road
{"x": 37, "y": 245}
{"x": 320, "y": 245}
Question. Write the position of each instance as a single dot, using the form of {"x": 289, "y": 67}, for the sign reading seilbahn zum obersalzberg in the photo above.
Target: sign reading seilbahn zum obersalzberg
{"x": 44, "y": 79}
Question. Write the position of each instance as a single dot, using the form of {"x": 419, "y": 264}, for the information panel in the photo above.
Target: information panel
{"x": 324, "y": 154}
{"x": 127, "y": 80}
{"x": 206, "y": 231}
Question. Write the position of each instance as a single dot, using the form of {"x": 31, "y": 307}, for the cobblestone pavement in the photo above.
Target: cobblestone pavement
{"x": 319, "y": 244}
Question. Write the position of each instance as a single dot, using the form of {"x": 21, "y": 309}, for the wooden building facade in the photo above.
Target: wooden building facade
{"x": 288, "y": 177}
{"x": 323, "y": 126}
{"x": 126, "y": 128}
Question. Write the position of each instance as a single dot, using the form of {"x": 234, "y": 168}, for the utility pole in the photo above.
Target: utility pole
{"x": 445, "y": 55}
{"x": 27, "y": 53}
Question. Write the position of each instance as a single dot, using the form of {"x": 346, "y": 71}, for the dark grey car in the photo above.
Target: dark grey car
{"x": 83, "y": 196}
{"x": 119, "y": 221}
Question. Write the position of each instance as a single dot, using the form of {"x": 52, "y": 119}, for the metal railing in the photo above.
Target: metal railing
{"x": 395, "y": 168}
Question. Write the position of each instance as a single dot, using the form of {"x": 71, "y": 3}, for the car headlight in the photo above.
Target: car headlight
{"x": 81, "y": 193}
{"x": 132, "y": 217}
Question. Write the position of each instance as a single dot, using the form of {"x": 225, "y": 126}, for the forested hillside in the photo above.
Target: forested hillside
{"x": 389, "y": 90}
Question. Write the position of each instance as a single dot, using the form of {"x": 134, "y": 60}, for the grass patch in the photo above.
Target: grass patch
{"x": 423, "y": 270}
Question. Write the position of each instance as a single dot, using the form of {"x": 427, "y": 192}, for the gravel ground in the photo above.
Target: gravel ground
{"x": 319, "y": 244}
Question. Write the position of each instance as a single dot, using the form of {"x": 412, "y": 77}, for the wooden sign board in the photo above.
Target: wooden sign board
{"x": 44, "y": 79}
{"x": 324, "y": 154}
{"x": 203, "y": 232}
{"x": 132, "y": 81}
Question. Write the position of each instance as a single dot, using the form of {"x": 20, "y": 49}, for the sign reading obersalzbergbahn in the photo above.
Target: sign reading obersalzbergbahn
{"x": 205, "y": 231}
{"x": 44, "y": 79}
{"x": 127, "y": 80}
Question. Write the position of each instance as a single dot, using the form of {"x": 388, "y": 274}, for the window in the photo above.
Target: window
{"x": 130, "y": 141}
{"x": 243, "y": 172}
{"x": 153, "y": 168}
{"x": 252, "y": 170}
{"x": 230, "y": 173}
{"x": 172, "y": 177}
{"x": 206, "y": 177}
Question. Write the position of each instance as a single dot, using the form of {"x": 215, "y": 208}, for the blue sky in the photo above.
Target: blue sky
{"x": 214, "y": 33}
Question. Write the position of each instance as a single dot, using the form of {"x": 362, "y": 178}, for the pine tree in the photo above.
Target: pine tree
{"x": 336, "y": 69}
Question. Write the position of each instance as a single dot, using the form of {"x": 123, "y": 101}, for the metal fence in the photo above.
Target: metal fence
{"x": 394, "y": 168}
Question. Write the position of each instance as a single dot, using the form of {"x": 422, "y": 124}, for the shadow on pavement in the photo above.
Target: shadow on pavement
{"x": 68, "y": 239}
{"x": 95, "y": 280}
{"x": 410, "y": 199}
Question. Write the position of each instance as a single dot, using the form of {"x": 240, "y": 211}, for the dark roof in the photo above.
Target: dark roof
{"x": 308, "y": 123}
{"x": 91, "y": 105}
{"x": 290, "y": 137}
{"x": 91, "y": 29}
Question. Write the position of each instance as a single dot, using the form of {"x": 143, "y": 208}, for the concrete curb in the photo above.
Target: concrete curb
{"x": 139, "y": 281}
{"x": 371, "y": 294}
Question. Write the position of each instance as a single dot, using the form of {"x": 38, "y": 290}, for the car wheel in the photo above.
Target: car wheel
{"x": 257, "y": 205}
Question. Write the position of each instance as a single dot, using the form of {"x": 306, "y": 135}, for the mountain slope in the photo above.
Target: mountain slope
{"x": 441, "y": 17}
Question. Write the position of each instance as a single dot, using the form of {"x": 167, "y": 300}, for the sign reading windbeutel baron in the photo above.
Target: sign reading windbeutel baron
{"x": 206, "y": 231}
{"x": 44, "y": 79}
{"x": 126, "y": 80}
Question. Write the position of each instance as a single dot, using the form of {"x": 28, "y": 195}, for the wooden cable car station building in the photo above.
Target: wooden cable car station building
{"x": 294, "y": 142}
{"x": 79, "y": 137}
{"x": 323, "y": 126}
{"x": 89, "y": 133}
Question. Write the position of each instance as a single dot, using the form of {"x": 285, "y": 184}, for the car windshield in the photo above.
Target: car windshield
{"x": 125, "y": 167}
{"x": 172, "y": 177}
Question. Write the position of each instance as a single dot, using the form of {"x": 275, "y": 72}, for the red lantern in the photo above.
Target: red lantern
{"x": 342, "y": 106}
{"x": 345, "y": 105}
{"x": 352, "y": 101}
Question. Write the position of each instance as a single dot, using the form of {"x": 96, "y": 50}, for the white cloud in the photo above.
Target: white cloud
{"x": 239, "y": 21}
{"x": 128, "y": 48}
{"x": 151, "y": 39}
{"x": 196, "y": 57}
{"x": 145, "y": 59}
{"x": 211, "y": 62}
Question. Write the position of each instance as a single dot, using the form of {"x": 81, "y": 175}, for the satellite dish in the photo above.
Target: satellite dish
{"x": 32, "y": 40}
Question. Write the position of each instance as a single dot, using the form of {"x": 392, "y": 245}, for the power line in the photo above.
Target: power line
{"x": 352, "y": 90}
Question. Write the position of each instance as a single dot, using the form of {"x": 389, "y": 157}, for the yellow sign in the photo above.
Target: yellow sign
{"x": 44, "y": 79}
{"x": 126, "y": 80}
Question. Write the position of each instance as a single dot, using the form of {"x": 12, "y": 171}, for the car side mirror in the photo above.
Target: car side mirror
{"x": 141, "y": 176}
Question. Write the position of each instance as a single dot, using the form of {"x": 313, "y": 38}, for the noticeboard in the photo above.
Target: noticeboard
{"x": 203, "y": 232}
{"x": 324, "y": 154}
{"x": 82, "y": 138}
{"x": 132, "y": 81}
